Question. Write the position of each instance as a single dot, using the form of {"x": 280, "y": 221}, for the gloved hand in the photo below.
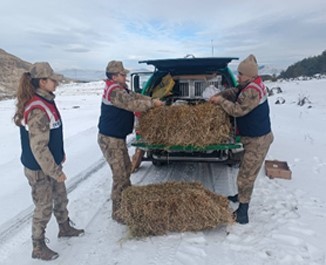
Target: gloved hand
{"x": 157, "y": 102}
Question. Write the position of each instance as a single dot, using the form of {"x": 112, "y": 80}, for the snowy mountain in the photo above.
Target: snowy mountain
{"x": 269, "y": 70}
{"x": 263, "y": 70}
{"x": 91, "y": 75}
{"x": 83, "y": 75}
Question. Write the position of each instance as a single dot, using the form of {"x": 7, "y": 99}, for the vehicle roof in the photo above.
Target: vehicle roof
{"x": 182, "y": 64}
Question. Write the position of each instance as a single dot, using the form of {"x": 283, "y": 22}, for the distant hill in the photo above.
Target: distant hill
{"x": 268, "y": 70}
{"x": 92, "y": 75}
{"x": 11, "y": 69}
{"x": 83, "y": 75}
{"x": 306, "y": 67}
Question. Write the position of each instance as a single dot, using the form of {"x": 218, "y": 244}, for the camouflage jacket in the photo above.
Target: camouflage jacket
{"x": 238, "y": 102}
{"x": 38, "y": 124}
{"x": 249, "y": 105}
{"x": 130, "y": 100}
{"x": 117, "y": 110}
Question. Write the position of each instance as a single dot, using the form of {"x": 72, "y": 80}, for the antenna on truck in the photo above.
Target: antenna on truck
{"x": 212, "y": 47}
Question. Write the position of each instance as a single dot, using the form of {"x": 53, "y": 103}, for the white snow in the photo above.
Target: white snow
{"x": 287, "y": 217}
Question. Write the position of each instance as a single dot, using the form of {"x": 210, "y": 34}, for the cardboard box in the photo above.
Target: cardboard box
{"x": 277, "y": 169}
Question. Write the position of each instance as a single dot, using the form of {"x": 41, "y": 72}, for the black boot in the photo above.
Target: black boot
{"x": 233, "y": 198}
{"x": 66, "y": 230}
{"x": 241, "y": 214}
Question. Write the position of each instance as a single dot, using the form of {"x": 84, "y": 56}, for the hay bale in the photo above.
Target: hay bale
{"x": 197, "y": 125}
{"x": 172, "y": 207}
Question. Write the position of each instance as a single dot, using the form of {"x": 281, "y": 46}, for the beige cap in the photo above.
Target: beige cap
{"x": 44, "y": 70}
{"x": 249, "y": 66}
{"x": 115, "y": 67}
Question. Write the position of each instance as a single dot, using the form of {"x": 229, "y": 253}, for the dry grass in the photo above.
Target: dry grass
{"x": 172, "y": 207}
{"x": 196, "y": 125}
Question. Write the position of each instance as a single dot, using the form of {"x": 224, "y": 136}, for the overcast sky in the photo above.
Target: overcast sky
{"x": 87, "y": 34}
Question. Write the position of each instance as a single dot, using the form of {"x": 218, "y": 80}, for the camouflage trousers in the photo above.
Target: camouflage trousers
{"x": 116, "y": 154}
{"x": 255, "y": 150}
{"x": 48, "y": 196}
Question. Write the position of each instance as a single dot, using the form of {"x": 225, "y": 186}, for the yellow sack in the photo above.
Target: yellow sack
{"x": 164, "y": 88}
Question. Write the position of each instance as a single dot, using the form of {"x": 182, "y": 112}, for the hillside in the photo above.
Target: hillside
{"x": 307, "y": 67}
{"x": 11, "y": 69}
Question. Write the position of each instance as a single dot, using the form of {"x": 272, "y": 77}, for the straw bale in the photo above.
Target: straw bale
{"x": 156, "y": 209}
{"x": 196, "y": 125}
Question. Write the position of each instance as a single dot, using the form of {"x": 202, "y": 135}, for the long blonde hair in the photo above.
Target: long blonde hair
{"x": 25, "y": 92}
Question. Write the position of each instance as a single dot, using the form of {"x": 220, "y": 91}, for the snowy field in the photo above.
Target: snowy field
{"x": 287, "y": 217}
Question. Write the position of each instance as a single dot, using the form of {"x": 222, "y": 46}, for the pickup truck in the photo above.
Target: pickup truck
{"x": 191, "y": 77}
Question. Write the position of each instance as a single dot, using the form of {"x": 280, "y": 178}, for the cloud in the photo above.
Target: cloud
{"x": 87, "y": 34}
{"x": 77, "y": 50}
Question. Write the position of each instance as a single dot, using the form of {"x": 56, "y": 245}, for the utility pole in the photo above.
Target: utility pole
{"x": 212, "y": 47}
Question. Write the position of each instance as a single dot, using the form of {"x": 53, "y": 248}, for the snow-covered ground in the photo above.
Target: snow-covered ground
{"x": 287, "y": 217}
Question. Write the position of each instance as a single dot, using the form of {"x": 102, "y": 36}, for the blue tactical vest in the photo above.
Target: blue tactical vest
{"x": 114, "y": 122}
{"x": 55, "y": 144}
{"x": 257, "y": 122}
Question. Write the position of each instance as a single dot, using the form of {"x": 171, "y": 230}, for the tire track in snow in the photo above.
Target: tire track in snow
{"x": 15, "y": 224}
{"x": 82, "y": 209}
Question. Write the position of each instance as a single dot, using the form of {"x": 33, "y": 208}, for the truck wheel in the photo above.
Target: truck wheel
{"x": 157, "y": 163}
{"x": 233, "y": 163}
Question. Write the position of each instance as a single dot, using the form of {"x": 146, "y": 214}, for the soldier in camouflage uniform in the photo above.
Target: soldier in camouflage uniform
{"x": 43, "y": 154}
{"x": 248, "y": 103}
{"x": 115, "y": 123}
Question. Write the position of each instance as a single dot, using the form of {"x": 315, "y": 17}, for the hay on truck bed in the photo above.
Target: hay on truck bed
{"x": 156, "y": 209}
{"x": 196, "y": 125}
